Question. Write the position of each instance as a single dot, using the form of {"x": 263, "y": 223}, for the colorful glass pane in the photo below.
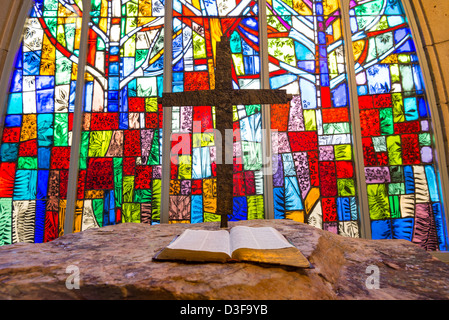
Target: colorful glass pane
{"x": 120, "y": 157}
{"x": 314, "y": 179}
{"x": 400, "y": 170}
{"x": 36, "y": 140}
{"x": 196, "y": 30}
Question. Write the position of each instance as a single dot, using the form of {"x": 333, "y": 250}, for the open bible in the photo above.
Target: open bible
{"x": 260, "y": 245}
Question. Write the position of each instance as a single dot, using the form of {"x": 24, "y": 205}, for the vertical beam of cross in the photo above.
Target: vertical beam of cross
{"x": 224, "y": 120}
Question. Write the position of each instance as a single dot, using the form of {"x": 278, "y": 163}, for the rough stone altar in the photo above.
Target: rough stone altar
{"x": 115, "y": 262}
{"x": 223, "y": 97}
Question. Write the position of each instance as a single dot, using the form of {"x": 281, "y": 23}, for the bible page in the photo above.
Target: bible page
{"x": 257, "y": 238}
{"x": 202, "y": 240}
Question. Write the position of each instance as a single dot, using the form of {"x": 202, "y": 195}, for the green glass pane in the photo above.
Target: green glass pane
{"x": 396, "y": 174}
{"x": 369, "y": 8}
{"x": 99, "y": 143}
{"x": 384, "y": 42}
{"x": 61, "y": 35}
{"x": 128, "y": 188}
{"x": 199, "y": 46}
{"x": 404, "y": 58}
{"x": 84, "y": 149}
{"x": 394, "y": 72}
{"x": 118, "y": 181}
{"x": 379, "y": 207}
{"x": 185, "y": 167}
{"x": 142, "y": 196}
{"x": 210, "y": 217}
{"x": 407, "y": 77}
{"x": 394, "y": 150}
{"x": 282, "y": 49}
{"x": 394, "y": 207}
{"x": 343, "y": 152}
{"x": 52, "y": 23}
{"x": 336, "y": 128}
{"x": 63, "y": 69}
{"x": 252, "y": 155}
{"x": 27, "y": 163}
{"x": 386, "y": 121}
{"x": 424, "y": 139}
{"x": 396, "y": 188}
{"x": 5, "y": 221}
{"x": 61, "y": 130}
{"x": 156, "y": 202}
{"x": 131, "y": 212}
{"x": 98, "y": 210}
{"x": 141, "y": 56}
{"x": 154, "y": 158}
{"x": 398, "y": 107}
{"x": 252, "y": 109}
{"x": 310, "y": 120}
{"x": 255, "y": 207}
{"x": 346, "y": 187}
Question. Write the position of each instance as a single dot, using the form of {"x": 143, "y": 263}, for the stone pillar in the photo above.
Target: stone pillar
{"x": 8, "y": 17}
{"x": 432, "y": 18}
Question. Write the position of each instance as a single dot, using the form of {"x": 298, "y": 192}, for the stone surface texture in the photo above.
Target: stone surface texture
{"x": 115, "y": 262}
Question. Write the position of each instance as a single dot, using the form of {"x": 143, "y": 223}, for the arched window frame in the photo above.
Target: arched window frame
{"x": 268, "y": 186}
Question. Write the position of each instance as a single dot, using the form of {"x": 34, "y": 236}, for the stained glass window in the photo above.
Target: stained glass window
{"x": 318, "y": 156}
{"x": 35, "y": 150}
{"x": 196, "y": 29}
{"x": 314, "y": 181}
{"x": 400, "y": 169}
{"x": 120, "y": 157}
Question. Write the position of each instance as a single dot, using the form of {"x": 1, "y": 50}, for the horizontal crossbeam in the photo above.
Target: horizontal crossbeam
{"x": 224, "y": 97}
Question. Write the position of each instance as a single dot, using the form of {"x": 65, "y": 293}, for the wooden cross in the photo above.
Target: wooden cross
{"x": 223, "y": 97}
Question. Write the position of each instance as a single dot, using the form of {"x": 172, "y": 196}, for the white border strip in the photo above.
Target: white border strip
{"x": 362, "y": 197}
{"x": 266, "y": 113}
{"x": 72, "y": 184}
{"x": 167, "y": 113}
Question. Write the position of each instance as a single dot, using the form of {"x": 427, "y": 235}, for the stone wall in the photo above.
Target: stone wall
{"x": 9, "y": 12}
{"x": 432, "y": 18}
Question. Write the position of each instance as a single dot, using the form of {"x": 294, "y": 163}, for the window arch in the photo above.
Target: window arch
{"x": 353, "y": 153}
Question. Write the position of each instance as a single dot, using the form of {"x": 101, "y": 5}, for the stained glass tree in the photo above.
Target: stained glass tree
{"x": 120, "y": 160}
{"x": 35, "y": 150}
{"x": 197, "y": 28}
{"x": 315, "y": 180}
